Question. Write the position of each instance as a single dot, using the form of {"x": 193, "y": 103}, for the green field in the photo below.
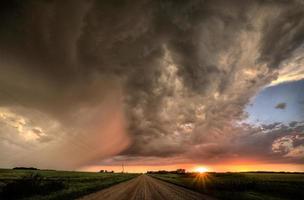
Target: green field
{"x": 51, "y": 185}
{"x": 252, "y": 186}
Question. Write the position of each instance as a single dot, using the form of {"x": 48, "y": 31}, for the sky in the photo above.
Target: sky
{"x": 162, "y": 84}
{"x": 282, "y": 103}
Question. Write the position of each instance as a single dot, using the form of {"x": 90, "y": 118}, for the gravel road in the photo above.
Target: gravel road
{"x": 146, "y": 188}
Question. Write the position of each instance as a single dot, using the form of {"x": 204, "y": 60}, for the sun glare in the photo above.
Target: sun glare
{"x": 201, "y": 169}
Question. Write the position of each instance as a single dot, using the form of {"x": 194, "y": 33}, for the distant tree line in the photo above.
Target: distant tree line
{"x": 106, "y": 171}
{"x": 274, "y": 172}
{"x": 26, "y": 168}
{"x": 178, "y": 171}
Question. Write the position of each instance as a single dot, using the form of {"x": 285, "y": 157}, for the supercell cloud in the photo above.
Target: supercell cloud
{"x": 84, "y": 81}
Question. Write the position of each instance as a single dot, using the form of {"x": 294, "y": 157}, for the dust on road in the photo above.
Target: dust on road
{"x": 146, "y": 188}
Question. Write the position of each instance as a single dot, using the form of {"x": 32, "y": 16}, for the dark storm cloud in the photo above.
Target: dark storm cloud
{"x": 284, "y": 35}
{"x": 281, "y": 106}
{"x": 163, "y": 78}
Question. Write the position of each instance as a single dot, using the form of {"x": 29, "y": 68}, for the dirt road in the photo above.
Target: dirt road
{"x": 146, "y": 188}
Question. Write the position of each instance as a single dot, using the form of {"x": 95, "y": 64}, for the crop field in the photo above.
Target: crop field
{"x": 51, "y": 185}
{"x": 252, "y": 186}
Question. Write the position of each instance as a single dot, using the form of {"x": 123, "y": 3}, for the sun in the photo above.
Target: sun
{"x": 201, "y": 169}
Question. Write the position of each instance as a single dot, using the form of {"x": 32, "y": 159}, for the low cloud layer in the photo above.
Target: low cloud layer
{"x": 83, "y": 81}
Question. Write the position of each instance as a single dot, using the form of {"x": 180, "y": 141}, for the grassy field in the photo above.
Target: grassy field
{"x": 51, "y": 185}
{"x": 252, "y": 186}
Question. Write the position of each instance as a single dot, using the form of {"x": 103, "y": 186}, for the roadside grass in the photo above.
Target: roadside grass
{"x": 54, "y": 185}
{"x": 252, "y": 186}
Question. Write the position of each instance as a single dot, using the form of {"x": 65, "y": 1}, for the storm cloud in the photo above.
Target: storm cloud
{"x": 90, "y": 80}
{"x": 281, "y": 106}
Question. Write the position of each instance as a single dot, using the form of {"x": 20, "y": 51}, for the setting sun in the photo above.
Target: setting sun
{"x": 201, "y": 169}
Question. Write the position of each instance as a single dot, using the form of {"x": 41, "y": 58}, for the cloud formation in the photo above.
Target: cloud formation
{"x": 281, "y": 106}
{"x": 142, "y": 78}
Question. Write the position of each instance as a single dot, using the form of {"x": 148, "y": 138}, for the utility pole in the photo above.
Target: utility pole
{"x": 123, "y": 168}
